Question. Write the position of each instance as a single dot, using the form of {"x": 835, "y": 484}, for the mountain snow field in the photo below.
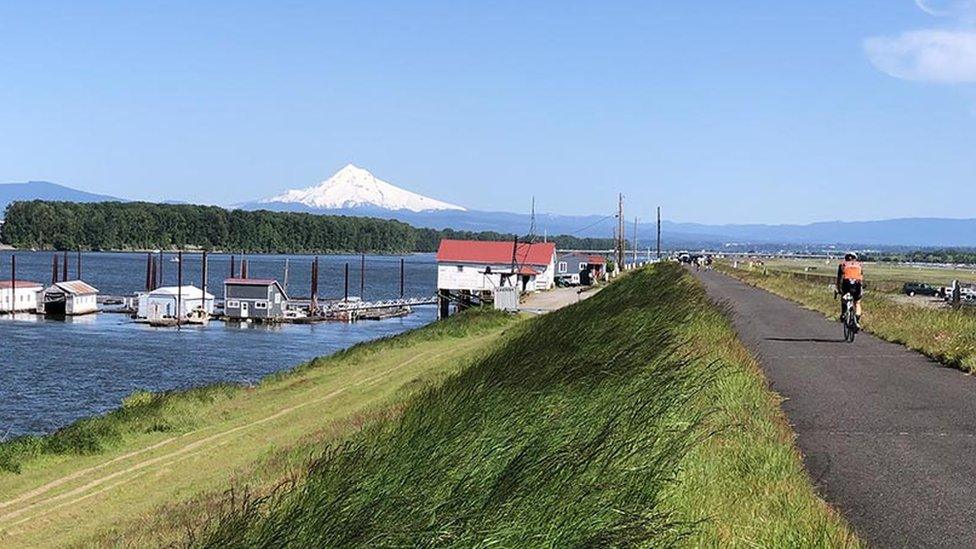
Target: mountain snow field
{"x": 355, "y": 187}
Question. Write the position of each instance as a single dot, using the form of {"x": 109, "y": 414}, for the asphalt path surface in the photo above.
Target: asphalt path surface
{"x": 887, "y": 435}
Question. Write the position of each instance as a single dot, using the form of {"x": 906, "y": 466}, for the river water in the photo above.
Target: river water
{"x": 53, "y": 372}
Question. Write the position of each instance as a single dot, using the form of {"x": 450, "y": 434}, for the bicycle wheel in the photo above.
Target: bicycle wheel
{"x": 849, "y": 330}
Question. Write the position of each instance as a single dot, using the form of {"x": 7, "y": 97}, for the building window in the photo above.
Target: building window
{"x": 563, "y": 267}
{"x": 260, "y": 304}
{"x": 583, "y": 266}
{"x": 460, "y": 268}
{"x": 233, "y": 304}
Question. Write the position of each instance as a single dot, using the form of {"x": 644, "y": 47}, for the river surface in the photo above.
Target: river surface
{"x": 53, "y": 372}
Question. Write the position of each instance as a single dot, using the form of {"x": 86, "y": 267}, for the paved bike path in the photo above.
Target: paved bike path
{"x": 888, "y": 436}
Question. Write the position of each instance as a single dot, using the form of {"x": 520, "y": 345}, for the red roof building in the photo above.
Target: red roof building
{"x": 495, "y": 252}
{"x": 483, "y": 266}
{"x": 6, "y": 284}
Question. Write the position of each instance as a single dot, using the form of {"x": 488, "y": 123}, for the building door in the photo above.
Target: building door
{"x": 244, "y": 309}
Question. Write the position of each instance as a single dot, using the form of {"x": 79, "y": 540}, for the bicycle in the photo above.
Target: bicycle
{"x": 849, "y": 319}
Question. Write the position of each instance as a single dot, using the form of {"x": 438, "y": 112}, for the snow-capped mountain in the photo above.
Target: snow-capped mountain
{"x": 354, "y": 187}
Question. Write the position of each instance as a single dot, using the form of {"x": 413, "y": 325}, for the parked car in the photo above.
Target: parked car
{"x": 967, "y": 293}
{"x": 920, "y": 288}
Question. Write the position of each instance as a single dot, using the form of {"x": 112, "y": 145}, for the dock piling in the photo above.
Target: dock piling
{"x": 314, "y": 302}
{"x": 13, "y": 283}
{"x": 179, "y": 287}
{"x": 148, "y": 272}
{"x": 203, "y": 277}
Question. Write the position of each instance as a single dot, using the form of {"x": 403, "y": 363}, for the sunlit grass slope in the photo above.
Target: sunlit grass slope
{"x": 634, "y": 418}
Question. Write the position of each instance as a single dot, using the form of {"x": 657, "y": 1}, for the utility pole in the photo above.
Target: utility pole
{"x": 635, "y": 241}
{"x": 532, "y": 224}
{"x": 659, "y": 232}
{"x": 620, "y": 231}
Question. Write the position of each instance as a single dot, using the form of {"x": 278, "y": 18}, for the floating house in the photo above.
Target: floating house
{"x": 174, "y": 302}
{"x": 254, "y": 298}
{"x": 470, "y": 270}
{"x": 18, "y": 296}
{"x": 580, "y": 267}
{"x": 69, "y": 298}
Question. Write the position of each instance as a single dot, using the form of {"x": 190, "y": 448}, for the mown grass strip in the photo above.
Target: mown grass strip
{"x": 614, "y": 422}
{"x": 178, "y": 412}
{"x": 946, "y": 335}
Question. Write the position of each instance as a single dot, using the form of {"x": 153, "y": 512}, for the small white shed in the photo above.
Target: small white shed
{"x": 18, "y": 296}
{"x": 72, "y": 297}
{"x": 161, "y": 303}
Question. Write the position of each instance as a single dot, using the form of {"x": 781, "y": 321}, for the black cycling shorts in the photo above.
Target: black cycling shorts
{"x": 853, "y": 287}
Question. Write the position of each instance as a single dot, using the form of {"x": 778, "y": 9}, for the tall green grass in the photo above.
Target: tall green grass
{"x": 182, "y": 410}
{"x": 575, "y": 432}
{"x": 946, "y": 335}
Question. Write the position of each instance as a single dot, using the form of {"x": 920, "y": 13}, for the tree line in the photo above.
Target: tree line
{"x": 146, "y": 226}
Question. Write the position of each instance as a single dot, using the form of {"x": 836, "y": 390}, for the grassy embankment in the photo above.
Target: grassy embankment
{"x": 632, "y": 418}
{"x": 143, "y": 474}
{"x": 946, "y": 335}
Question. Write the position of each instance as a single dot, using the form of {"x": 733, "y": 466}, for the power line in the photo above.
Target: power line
{"x": 591, "y": 225}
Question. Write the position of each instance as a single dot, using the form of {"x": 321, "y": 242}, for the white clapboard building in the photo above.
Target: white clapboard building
{"x": 171, "y": 302}
{"x": 72, "y": 297}
{"x": 18, "y": 296}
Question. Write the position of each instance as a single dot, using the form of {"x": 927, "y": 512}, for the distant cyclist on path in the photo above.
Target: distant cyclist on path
{"x": 850, "y": 279}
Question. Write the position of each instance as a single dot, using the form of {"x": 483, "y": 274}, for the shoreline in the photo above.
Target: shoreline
{"x": 198, "y": 442}
{"x": 187, "y": 392}
{"x": 8, "y": 248}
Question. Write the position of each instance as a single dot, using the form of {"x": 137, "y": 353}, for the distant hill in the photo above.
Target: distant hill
{"x": 44, "y": 190}
{"x": 914, "y": 232}
{"x": 354, "y": 191}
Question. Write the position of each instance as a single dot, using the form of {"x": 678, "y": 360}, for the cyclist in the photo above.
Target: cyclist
{"x": 850, "y": 279}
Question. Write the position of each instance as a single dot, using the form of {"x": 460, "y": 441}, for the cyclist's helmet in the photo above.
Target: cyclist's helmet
{"x": 850, "y": 256}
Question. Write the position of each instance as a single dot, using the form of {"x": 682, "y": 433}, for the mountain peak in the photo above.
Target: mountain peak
{"x": 355, "y": 187}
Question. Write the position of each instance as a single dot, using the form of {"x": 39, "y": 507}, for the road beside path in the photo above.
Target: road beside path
{"x": 557, "y": 298}
{"x": 888, "y": 436}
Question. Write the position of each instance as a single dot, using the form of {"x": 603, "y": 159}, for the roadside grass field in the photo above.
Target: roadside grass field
{"x": 634, "y": 418}
{"x": 946, "y": 335}
{"x": 144, "y": 474}
{"x": 893, "y": 275}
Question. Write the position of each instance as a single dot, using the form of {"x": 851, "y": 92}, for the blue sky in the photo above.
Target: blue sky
{"x": 718, "y": 111}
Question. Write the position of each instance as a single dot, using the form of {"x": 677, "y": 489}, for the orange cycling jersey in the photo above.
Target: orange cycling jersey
{"x": 851, "y": 270}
